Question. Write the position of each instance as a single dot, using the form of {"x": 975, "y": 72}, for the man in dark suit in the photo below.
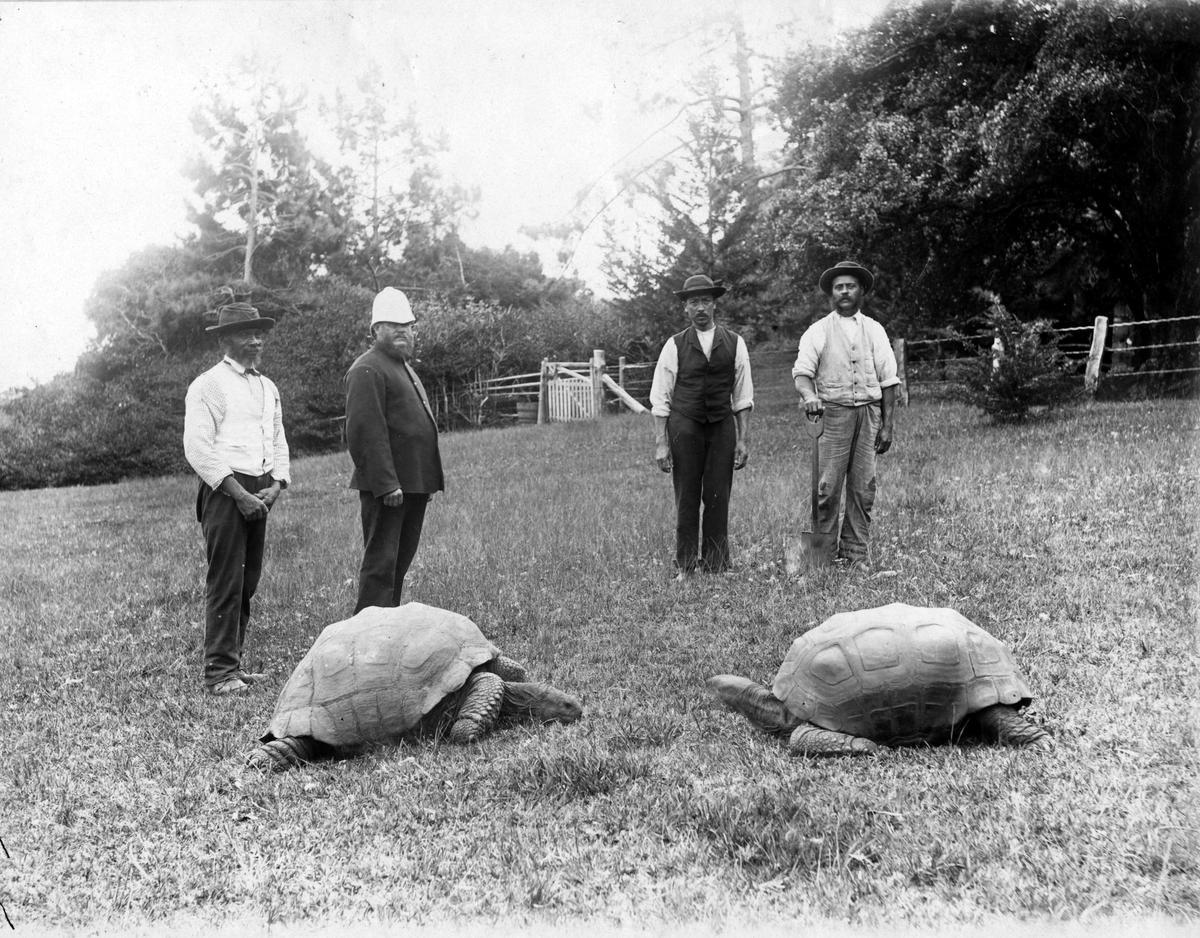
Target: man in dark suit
{"x": 701, "y": 400}
{"x": 393, "y": 442}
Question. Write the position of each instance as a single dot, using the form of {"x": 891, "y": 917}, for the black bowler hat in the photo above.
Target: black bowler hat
{"x": 850, "y": 269}
{"x": 234, "y": 317}
{"x": 700, "y": 285}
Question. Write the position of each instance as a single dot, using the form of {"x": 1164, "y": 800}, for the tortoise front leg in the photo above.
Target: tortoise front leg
{"x": 1002, "y": 724}
{"x": 810, "y": 740}
{"x": 481, "y": 699}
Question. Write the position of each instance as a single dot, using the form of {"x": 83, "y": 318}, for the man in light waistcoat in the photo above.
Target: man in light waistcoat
{"x": 393, "y": 442}
{"x": 845, "y": 370}
{"x": 701, "y": 399}
{"x": 233, "y": 438}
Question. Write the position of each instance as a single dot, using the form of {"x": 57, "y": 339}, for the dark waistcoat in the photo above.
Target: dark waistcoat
{"x": 704, "y": 386}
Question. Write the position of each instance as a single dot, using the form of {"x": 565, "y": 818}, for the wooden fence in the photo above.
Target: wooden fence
{"x": 1101, "y": 354}
{"x": 582, "y": 390}
{"x": 562, "y": 391}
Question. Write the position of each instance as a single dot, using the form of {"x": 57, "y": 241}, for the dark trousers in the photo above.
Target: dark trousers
{"x": 702, "y": 474}
{"x": 390, "y": 539}
{"x": 234, "y": 548}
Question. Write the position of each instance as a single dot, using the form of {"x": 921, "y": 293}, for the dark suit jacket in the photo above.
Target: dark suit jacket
{"x": 390, "y": 429}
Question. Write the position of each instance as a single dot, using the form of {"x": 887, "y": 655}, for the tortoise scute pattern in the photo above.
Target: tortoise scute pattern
{"x": 371, "y": 678}
{"x": 898, "y": 674}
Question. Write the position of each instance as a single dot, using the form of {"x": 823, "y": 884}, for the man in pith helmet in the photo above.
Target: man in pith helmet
{"x": 393, "y": 442}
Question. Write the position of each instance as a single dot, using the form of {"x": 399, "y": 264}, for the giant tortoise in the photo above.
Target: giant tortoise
{"x": 386, "y": 674}
{"x": 897, "y": 675}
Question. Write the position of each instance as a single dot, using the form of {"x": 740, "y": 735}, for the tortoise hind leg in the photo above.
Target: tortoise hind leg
{"x": 481, "y": 698}
{"x": 279, "y": 755}
{"x": 1001, "y": 723}
{"x": 810, "y": 740}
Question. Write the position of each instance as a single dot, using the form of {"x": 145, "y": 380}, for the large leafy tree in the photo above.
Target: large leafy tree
{"x": 1046, "y": 151}
{"x": 266, "y": 209}
{"x": 699, "y": 203}
{"x": 399, "y": 205}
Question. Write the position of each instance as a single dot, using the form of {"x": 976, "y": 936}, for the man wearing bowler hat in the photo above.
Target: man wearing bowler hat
{"x": 845, "y": 372}
{"x": 701, "y": 399}
{"x": 393, "y": 441}
{"x": 233, "y": 438}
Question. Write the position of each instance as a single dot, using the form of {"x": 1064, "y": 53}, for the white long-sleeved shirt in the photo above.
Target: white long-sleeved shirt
{"x": 233, "y": 422}
{"x": 667, "y": 369}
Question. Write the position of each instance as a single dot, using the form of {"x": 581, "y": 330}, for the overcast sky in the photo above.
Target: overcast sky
{"x": 538, "y": 99}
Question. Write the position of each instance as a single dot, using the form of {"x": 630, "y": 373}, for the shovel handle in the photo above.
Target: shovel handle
{"x": 814, "y": 424}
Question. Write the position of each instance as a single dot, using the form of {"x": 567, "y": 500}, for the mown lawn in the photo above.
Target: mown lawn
{"x": 124, "y": 805}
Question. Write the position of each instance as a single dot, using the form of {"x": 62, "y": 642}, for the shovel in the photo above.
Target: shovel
{"x": 813, "y": 549}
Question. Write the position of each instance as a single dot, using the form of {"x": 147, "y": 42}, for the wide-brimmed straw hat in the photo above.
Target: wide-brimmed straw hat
{"x": 234, "y": 317}
{"x": 847, "y": 268}
{"x": 700, "y": 285}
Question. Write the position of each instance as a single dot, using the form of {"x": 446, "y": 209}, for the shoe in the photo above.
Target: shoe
{"x": 231, "y": 685}
{"x": 251, "y": 677}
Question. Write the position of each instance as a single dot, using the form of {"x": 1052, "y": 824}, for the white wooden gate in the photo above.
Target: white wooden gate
{"x": 570, "y": 396}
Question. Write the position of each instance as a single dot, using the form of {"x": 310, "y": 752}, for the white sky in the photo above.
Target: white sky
{"x": 538, "y": 99}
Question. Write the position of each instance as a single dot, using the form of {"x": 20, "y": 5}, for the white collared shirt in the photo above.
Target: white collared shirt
{"x": 233, "y": 422}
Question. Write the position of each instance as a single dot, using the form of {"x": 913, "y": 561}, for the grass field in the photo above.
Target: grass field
{"x": 124, "y": 806}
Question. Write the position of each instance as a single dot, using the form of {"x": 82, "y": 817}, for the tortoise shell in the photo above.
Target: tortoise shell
{"x": 897, "y": 674}
{"x": 372, "y": 677}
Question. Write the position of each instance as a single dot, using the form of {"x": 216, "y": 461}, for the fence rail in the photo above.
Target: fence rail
{"x": 581, "y": 389}
{"x": 1103, "y": 346}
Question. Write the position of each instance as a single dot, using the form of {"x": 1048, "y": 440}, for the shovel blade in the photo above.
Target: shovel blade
{"x": 810, "y": 551}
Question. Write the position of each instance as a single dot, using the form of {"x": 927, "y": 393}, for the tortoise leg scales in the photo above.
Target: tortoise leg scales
{"x": 481, "y": 698}
{"x": 279, "y": 755}
{"x": 508, "y": 668}
{"x": 1002, "y": 724}
{"x": 809, "y": 740}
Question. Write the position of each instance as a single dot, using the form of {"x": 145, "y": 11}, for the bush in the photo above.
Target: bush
{"x": 77, "y": 430}
{"x": 1027, "y": 371}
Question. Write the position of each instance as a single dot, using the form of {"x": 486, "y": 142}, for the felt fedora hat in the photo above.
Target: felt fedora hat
{"x": 391, "y": 306}
{"x": 700, "y": 285}
{"x": 233, "y": 317}
{"x": 848, "y": 268}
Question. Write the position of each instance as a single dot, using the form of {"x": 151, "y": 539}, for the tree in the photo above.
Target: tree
{"x": 1046, "y": 151}
{"x": 399, "y": 207}
{"x": 267, "y": 209}
{"x": 702, "y": 201}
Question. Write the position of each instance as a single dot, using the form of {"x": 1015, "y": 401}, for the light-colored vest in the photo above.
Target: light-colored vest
{"x": 846, "y": 366}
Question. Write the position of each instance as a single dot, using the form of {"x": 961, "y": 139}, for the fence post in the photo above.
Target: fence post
{"x": 621, "y": 371}
{"x": 901, "y": 373}
{"x": 597, "y": 370}
{"x": 544, "y": 393}
{"x": 1091, "y": 375}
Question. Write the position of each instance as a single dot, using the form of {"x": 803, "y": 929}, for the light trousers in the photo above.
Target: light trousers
{"x": 847, "y": 464}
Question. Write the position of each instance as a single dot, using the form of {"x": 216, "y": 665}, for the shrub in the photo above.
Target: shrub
{"x": 1028, "y": 369}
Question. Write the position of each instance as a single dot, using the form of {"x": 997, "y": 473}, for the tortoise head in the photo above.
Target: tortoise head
{"x": 540, "y": 702}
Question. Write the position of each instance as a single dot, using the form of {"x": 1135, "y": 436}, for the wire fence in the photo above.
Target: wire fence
{"x": 1103, "y": 352}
